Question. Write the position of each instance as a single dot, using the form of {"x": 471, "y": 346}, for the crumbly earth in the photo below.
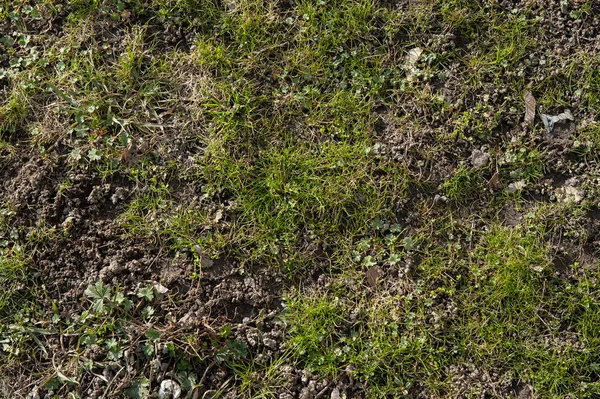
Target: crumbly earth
{"x": 299, "y": 199}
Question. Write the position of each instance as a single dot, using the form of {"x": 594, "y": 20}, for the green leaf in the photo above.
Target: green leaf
{"x": 97, "y": 291}
{"x": 94, "y": 155}
{"x": 148, "y": 349}
{"x": 115, "y": 355}
{"x": 52, "y": 384}
{"x": 394, "y": 258}
{"x": 395, "y": 228}
{"x": 409, "y": 243}
{"x": 378, "y": 224}
{"x": 88, "y": 340}
{"x": 98, "y": 306}
{"x": 153, "y": 334}
{"x": 146, "y": 293}
{"x": 369, "y": 261}
{"x": 147, "y": 312}
{"x": 111, "y": 344}
{"x": 122, "y": 300}
{"x": 119, "y": 298}
{"x": 139, "y": 389}
{"x": 24, "y": 40}
{"x": 75, "y": 154}
{"x": 188, "y": 381}
{"x": 7, "y": 41}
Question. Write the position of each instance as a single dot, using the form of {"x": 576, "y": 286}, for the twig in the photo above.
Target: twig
{"x": 322, "y": 391}
{"x": 206, "y": 371}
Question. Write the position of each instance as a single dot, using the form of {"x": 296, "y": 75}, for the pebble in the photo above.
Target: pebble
{"x": 335, "y": 394}
{"x": 169, "y": 389}
{"x": 569, "y": 194}
{"x": 308, "y": 392}
{"x": 479, "y": 159}
{"x": 270, "y": 343}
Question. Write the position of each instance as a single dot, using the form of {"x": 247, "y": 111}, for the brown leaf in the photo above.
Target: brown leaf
{"x": 529, "y": 107}
{"x": 128, "y": 152}
{"x": 373, "y": 274}
{"x": 494, "y": 182}
{"x": 125, "y": 156}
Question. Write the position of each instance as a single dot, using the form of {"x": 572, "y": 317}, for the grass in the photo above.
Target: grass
{"x": 302, "y": 193}
{"x": 494, "y": 308}
{"x": 13, "y": 273}
{"x": 328, "y": 143}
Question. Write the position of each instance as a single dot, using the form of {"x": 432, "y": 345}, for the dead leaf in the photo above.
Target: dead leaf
{"x": 494, "y": 182}
{"x": 411, "y": 60}
{"x": 168, "y": 112}
{"x": 125, "y": 156}
{"x": 529, "y": 107}
{"x": 218, "y": 216}
{"x": 373, "y": 274}
{"x": 127, "y": 153}
{"x": 413, "y": 55}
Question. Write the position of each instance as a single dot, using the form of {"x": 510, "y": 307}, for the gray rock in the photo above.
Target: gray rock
{"x": 169, "y": 389}
{"x": 308, "y": 392}
{"x": 569, "y": 194}
{"x": 479, "y": 159}
{"x": 270, "y": 343}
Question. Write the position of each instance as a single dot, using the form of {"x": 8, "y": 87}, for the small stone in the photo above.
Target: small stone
{"x": 479, "y": 159}
{"x": 308, "y": 392}
{"x": 335, "y": 394}
{"x": 119, "y": 195}
{"x": 34, "y": 394}
{"x": 270, "y": 343}
{"x": 569, "y": 194}
{"x": 161, "y": 289}
{"x": 169, "y": 389}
